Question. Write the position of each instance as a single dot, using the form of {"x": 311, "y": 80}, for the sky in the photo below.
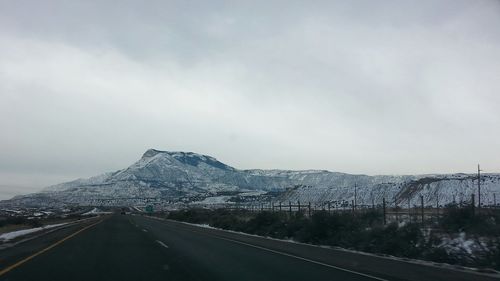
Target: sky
{"x": 364, "y": 87}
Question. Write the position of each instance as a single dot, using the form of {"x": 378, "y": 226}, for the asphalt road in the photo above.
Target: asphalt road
{"x": 126, "y": 247}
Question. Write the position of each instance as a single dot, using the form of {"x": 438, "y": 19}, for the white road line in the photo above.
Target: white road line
{"x": 144, "y": 230}
{"x": 290, "y": 255}
{"x": 162, "y": 244}
{"x": 296, "y": 257}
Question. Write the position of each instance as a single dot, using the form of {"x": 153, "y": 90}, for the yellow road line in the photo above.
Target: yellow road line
{"x": 2, "y": 272}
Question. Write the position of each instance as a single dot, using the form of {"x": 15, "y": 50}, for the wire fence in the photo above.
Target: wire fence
{"x": 393, "y": 212}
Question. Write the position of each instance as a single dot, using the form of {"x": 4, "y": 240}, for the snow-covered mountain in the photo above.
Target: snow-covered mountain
{"x": 172, "y": 177}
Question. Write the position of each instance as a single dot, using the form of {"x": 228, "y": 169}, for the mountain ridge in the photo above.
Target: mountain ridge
{"x": 176, "y": 177}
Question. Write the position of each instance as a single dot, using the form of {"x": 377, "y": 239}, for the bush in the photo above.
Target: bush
{"x": 35, "y": 223}
{"x": 455, "y": 220}
{"x": 191, "y": 215}
{"x": 13, "y": 221}
{"x": 438, "y": 255}
{"x": 404, "y": 241}
{"x": 228, "y": 220}
{"x": 325, "y": 226}
{"x": 266, "y": 224}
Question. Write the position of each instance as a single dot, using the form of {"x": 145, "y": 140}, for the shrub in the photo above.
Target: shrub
{"x": 35, "y": 223}
{"x": 266, "y": 224}
{"x": 456, "y": 220}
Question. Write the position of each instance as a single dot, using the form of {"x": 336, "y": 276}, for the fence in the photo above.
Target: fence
{"x": 395, "y": 213}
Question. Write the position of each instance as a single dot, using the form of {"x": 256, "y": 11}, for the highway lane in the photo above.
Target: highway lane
{"x": 111, "y": 250}
{"x": 383, "y": 268}
{"x": 126, "y": 247}
{"x": 11, "y": 253}
{"x": 137, "y": 248}
{"x": 227, "y": 260}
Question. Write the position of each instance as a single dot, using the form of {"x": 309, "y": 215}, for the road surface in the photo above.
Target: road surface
{"x": 129, "y": 247}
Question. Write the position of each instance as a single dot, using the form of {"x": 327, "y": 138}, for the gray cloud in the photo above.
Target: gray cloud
{"x": 388, "y": 87}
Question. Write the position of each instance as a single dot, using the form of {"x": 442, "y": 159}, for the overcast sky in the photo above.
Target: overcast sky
{"x": 372, "y": 87}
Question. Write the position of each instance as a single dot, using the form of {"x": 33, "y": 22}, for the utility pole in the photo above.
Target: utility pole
{"x": 383, "y": 208}
{"x": 478, "y": 186}
{"x": 409, "y": 210}
{"x": 422, "y": 207}
{"x": 355, "y": 195}
{"x": 437, "y": 206}
{"x": 396, "y": 209}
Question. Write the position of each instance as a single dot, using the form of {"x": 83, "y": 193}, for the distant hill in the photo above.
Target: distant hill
{"x": 191, "y": 178}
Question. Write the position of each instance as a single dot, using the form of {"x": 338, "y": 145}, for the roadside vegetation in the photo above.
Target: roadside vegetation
{"x": 459, "y": 236}
{"x": 14, "y": 223}
{"x": 17, "y": 223}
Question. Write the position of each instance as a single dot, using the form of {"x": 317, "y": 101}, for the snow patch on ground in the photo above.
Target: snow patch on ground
{"x": 215, "y": 200}
{"x": 465, "y": 246}
{"x": 205, "y": 226}
{"x": 15, "y": 234}
{"x": 253, "y": 193}
{"x": 95, "y": 211}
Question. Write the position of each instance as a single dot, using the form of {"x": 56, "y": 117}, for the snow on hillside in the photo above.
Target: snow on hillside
{"x": 191, "y": 177}
{"x": 437, "y": 190}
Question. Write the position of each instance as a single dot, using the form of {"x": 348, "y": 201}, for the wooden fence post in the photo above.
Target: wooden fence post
{"x": 396, "y": 209}
{"x": 422, "y": 207}
{"x": 383, "y": 207}
{"x": 437, "y": 208}
{"x": 473, "y": 205}
{"x": 409, "y": 210}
